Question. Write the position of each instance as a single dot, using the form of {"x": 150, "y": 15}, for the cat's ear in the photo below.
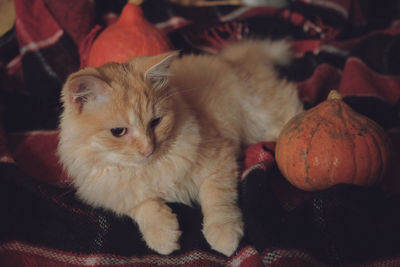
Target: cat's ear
{"x": 85, "y": 89}
{"x": 158, "y": 72}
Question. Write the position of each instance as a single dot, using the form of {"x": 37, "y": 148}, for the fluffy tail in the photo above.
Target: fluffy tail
{"x": 276, "y": 52}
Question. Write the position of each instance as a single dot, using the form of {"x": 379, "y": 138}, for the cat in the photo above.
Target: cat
{"x": 166, "y": 128}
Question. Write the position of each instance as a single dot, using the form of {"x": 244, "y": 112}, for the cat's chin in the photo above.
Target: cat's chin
{"x": 129, "y": 161}
{"x": 135, "y": 163}
{"x": 132, "y": 163}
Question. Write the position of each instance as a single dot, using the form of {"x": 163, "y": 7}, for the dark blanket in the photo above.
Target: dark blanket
{"x": 348, "y": 45}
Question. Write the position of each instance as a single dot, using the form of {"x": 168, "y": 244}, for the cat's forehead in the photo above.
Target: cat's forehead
{"x": 132, "y": 103}
{"x": 131, "y": 97}
{"x": 123, "y": 76}
{"x": 132, "y": 106}
{"x": 126, "y": 113}
{"x": 127, "y": 84}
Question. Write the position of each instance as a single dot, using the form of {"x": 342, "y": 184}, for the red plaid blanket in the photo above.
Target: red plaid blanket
{"x": 348, "y": 45}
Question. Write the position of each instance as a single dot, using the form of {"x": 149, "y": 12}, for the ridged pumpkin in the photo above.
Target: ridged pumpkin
{"x": 130, "y": 36}
{"x": 331, "y": 144}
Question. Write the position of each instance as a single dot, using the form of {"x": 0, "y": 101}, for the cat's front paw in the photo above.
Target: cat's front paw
{"x": 224, "y": 237}
{"x": 160, "y": 229}
{"x": 162, "y": 235}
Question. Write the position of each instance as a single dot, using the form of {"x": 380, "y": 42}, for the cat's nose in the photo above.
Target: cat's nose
{"x": 146, "y": 152}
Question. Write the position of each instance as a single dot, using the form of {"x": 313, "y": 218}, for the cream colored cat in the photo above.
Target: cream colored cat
{"x": 168, "y": 129}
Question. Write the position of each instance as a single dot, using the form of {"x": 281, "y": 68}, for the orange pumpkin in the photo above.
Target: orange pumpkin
{"x": 331, "y": 144}
{"x": 130, "y": 36}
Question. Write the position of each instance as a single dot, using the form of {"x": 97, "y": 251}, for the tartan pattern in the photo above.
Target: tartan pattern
{"x": 338, "y": 44}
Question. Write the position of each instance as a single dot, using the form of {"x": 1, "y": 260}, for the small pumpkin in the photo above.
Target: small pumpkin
{"x": 331, "y": 144}
{"x": 130, "y": 36}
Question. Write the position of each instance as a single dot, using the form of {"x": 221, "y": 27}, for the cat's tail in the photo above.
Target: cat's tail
{"x": 277, "y": 52}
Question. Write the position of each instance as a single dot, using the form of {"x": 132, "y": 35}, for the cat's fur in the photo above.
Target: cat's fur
{"x": 210, "y": 107}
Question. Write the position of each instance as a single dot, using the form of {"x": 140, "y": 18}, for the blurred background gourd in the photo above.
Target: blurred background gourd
{"x": 130, "y": 36}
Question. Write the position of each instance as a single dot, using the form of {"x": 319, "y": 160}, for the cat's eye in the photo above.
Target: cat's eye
{"x": 155, "y": 122}
{"x": 118, "y": 132}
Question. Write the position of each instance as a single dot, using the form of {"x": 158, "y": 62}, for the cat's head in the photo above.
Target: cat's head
{"x": 126, "y": 113}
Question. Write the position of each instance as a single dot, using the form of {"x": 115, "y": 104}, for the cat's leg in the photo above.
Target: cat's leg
{"x": 223, "y": 225}
{"x": 158, "y": 225}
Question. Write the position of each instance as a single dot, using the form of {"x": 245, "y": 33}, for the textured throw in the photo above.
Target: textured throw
{"x": 348, "y": 45}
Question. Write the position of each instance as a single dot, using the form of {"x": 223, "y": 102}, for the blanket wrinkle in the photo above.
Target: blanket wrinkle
{"x": 347, "y": 45}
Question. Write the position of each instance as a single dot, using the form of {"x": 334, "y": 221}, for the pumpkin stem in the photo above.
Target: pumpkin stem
{"x": 136, "y": 2}
{"x": 333, "y": 94}
{"x": 206, "y": 2}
